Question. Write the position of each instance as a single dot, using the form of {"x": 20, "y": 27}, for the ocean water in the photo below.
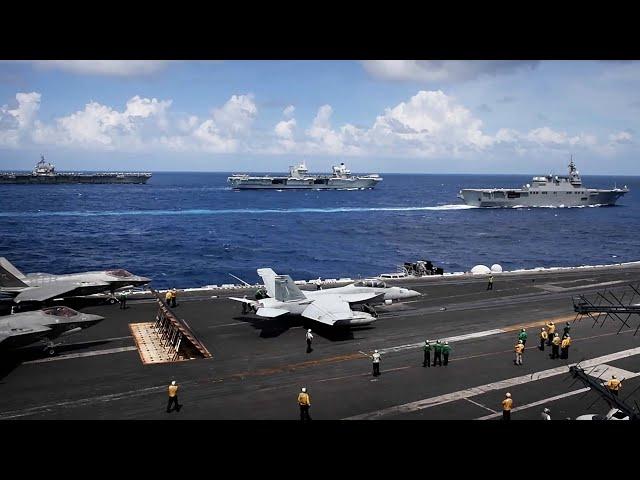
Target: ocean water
{"x": 190, "y": 229}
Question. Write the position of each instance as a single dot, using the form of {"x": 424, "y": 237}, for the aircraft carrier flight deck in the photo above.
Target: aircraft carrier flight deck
{"x": 258, "y": 365}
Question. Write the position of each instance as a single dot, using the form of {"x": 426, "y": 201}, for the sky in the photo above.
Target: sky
{"x": 377, "y": 116}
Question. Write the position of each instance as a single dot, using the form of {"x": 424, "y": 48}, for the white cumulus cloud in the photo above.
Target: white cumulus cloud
{"x": 288, "y": 112}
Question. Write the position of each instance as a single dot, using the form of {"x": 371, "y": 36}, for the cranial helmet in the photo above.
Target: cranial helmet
{"x": 304, "y": 389}
{"x": 546, "y": 410}
{"x": 508, "y": 395}
{"x": 173, "y": 382}
{"x": 523, "y": 330}
{"x": 309, "y": 330}
{"x": 375, "y": 351}
{"x": 613, "y": 376}
{"x": 519, "y": 341}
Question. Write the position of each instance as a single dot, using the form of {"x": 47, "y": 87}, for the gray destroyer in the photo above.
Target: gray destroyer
{"x": 45, "y": 173}
{"x": 299, "y": 178}
{"x": 545, "y": 191}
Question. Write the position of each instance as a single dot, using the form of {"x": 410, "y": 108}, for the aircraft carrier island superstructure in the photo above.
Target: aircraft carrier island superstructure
{"x": 299, "y": 178}
{"x": 545, "y": 191}
{"x": 45, "y": 173}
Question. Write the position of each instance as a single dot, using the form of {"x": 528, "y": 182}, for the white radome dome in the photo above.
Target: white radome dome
{"x": 480, "y": 269}
{"x": 496, "y": 268}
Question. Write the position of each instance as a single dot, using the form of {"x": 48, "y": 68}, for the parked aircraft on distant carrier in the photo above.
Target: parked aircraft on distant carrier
{"x": 40, "y": 287}
{"x": 331, "y": 306}
{"x": 26, "y": 328}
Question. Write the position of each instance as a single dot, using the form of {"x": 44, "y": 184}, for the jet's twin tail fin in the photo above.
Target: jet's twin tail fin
{"x": 287, "y": 290}
{"x": 10, "y": 276}
{"x": 280, "y": 287}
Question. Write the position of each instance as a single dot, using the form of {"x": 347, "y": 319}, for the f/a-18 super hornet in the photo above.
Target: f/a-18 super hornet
{"x": 331, "y": 306}
{"x": 26, "y": 328}
{"x": 40, "y": 287}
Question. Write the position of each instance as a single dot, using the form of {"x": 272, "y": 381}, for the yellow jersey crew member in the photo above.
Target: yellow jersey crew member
{"x": 507, "y": 405}
{"x": 174, "y": 295}
{"x": 167, "y": 297}
{"x": 173, "y": 397}
{"x": 543, "y": 338}
{"x": 304, "y": 401}
{"x": 551, "y": 330}
{"x": 614, "y": 385}
{"x": 555, "y": 346}
{"x": 564, "y": 347}
{"x": 519, "y": 348}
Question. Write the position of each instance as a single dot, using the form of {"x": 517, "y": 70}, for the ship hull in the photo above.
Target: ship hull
{"x": 304, "y": 184}
{"x": 520, "y": 198}
{"x": 65, "y": 179}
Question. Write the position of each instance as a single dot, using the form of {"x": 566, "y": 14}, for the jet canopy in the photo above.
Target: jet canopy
{"x": 60, "y": 312}
{"x": 371, "y": 283}
{"x": 120, "y": 273}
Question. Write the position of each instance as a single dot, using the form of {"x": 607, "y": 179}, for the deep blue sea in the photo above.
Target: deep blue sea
{"x": 190, "y": 229}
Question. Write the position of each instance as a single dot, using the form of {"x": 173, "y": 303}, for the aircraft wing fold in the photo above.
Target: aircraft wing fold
{"x": 328, "y": 309}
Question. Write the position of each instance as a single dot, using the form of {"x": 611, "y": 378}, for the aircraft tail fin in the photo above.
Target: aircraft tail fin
{"x": 269, "y": 278}
{"x": 286, "y": 290}
{"x": 10, "y": 276}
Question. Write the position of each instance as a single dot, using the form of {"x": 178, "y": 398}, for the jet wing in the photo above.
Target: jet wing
{"x": 244, "y": 300}
{"x": 23, "y": 336}
{"x": 328, "y": 309}
{"x": 355, "y": 298}
{"x": 271, "y": 312}
{"x": 53, "y": 290}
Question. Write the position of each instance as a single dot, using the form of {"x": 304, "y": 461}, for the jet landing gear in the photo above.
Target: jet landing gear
{"x": 50, "y": 349}
{"x": 370, "y": 310}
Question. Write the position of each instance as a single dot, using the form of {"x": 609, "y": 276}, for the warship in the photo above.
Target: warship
{"x": 544, "y": 191}
{"x": 45, "y": 173}
{"x": 299, "y": 178}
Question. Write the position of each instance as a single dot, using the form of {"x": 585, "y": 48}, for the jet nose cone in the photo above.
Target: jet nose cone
{"x": 142, "y": 280}
{"x": 89, "y": 319}
{"x": 413, "y": 293}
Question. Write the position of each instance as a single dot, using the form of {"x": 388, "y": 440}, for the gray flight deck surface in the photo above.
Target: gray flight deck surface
{"x": 259, "y": 365}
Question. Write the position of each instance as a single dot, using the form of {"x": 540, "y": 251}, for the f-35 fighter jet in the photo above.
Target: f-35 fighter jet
{"x": 40, "y": 287}
{"x": 23, "y": 329}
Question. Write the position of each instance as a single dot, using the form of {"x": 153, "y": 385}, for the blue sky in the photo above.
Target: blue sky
{"x": 377, "y": 116}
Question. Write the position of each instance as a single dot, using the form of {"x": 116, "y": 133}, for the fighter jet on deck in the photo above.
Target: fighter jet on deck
{"x": 23, "y": 329}
{"x": 40, "y": 287}
{"x": 331, "y": 306}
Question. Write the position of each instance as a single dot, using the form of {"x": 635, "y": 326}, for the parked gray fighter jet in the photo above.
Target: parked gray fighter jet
{"x": 331, "y": 306}
{"x": 23, "y": 329}
{"x": 39, "y": 287}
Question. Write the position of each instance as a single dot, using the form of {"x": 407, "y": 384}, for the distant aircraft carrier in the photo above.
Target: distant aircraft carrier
{"x": 299, "y": 178}
{"x": 545, "y": 191}
{"x": 45, "y": 173}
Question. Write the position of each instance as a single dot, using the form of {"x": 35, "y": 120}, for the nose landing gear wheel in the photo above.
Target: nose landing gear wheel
{"x": 112, "y": 301}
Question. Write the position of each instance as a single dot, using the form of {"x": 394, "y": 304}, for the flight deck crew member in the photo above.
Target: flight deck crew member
{"x": 167, "y": 298}
{"x": 123, "y": 301}
{"x": 614, "y": 385}
{"x": 565, "y": 331}
{"x": 523, "y": 336}
{"x": 304, "y": 402}
{"x": 555, "y": 346}
{"x": 490, "y": 284}
{"x": 376, "y": 363}
{"x": 545, "y": 414}
{"x": 551, "y": 330}
{"x": 174, "y": 295}
{"x": 507, "y": 404}
{"x": 519, "y": 348}
{"x": 173, "y": 397}
{"x": 564, "y": 347}
{"x": 309, "y": 338}
{"x": 437, "y": 353}
{"x": 543, "y": 338}
{"x": 427, "y": 354}
{"x": 446, "y": 350}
